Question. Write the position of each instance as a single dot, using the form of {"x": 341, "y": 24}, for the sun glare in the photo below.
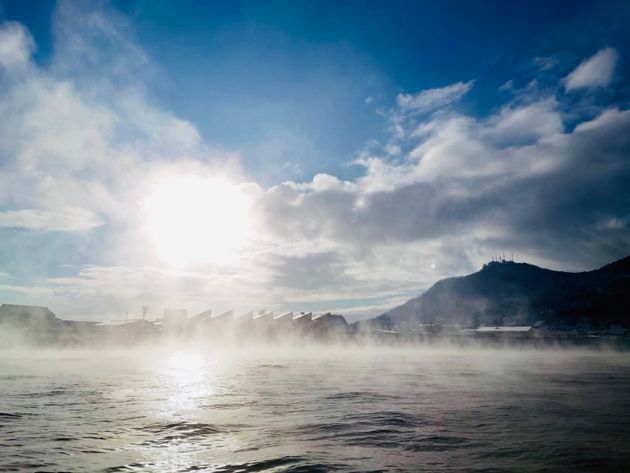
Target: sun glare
{"x": 192, "y": 220}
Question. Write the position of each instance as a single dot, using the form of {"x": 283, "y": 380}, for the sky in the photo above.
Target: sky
{"x": 324, "y": 156}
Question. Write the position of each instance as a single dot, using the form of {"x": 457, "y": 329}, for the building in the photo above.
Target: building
{"x": 303, "y": 319}
{"x": 265, "y": 317}
{"x": 283, "y": 319}
{"x": 246, "y": 317}
{"x": 502, "y": 332}
{"x": 174, "y": 320}
{"x": 27, "y": 315}
{"x": 125, "y": 331}
{"x": 39, "y": 325}
{"x": 201, "y": 317}
{"x": 328, "y": 324}
{"x": 224, "y": 318}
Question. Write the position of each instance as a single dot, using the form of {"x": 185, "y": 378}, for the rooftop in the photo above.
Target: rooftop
{"x": 504, "y": 329}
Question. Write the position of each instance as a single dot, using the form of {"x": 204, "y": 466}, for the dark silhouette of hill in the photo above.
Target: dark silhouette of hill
{"x": 509, "y": 293}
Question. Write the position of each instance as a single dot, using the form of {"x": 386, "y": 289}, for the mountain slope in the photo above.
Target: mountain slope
{"x": 508, "y": 293}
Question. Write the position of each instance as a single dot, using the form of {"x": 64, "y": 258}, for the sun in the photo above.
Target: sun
{"x": 193, "y": 220}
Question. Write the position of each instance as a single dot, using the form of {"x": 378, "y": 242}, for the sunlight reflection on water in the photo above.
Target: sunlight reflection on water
{"x": 188, "y": 379}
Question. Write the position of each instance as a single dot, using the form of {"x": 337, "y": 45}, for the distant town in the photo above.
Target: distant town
{"x": 39, "y": 326}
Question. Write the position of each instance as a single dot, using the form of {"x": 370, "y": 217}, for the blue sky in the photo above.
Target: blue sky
{"x": 413, "y": 140}
{"x": 288, "y": 81}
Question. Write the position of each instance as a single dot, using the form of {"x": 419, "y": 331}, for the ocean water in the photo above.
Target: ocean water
{"x": 311, "y": 409}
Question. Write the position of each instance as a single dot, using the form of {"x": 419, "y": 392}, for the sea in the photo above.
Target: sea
{"x": 314, "y": 408}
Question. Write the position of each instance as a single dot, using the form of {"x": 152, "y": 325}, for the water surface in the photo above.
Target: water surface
{"x": 315, "y": 409}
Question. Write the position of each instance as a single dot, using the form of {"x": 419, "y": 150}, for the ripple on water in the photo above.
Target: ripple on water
{"x": 384, "y": 429}
{"x": 293, "y": 464}
{"x": 360, "y": 396}
{"x": 129, "y": 467}
{"x": 315, "y": 417}
{"x": 436, "y": 443}
{"x": 179, "y": 431}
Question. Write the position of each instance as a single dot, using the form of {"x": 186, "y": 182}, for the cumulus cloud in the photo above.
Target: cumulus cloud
{"x": 596, "y": 71}
{"x": 515, "y": 179}
{"x": 431, "y": 99}
{"x": 16, "y": 45}
{"x": 524, "y": 124}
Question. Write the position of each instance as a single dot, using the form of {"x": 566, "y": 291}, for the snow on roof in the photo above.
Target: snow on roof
{"x": 266, "y": 315}
{"x": 285, "y": 316}
{"x": 526, "y": 328}
{"x": 303, "y": 316}
{"x": 116, "y": 323}
{"x": 246, "y": 316}
{"x": 224, "y": 316}
{"x": 203, "y": 315}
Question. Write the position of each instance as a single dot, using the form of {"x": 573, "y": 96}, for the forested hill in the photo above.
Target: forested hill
{"x": 509, "y": 293}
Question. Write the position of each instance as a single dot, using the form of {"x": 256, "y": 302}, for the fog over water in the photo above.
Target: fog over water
{"x": 314, "y": 408}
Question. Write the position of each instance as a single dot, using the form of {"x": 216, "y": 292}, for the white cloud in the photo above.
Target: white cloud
{"x": 361, "y": 312}
{"x": 67, "y": 219}
{"x": 596, "y": 71}
{"x": 525, "y": 123}
{"x": 491, "y": 181}
{"x": 613, "y": 223}
{"x": 545, "y": 63}
{"x": 431, "y": 99}
{"x": 16, "y": 45}
{"x": 392, "y": 149}
{"x": 30, "y": 291}
{"x": 507, "y": 86}
{"x": 75, "y": 131}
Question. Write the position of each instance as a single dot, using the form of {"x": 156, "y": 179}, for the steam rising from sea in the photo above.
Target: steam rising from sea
{"x": 314, "y": 408}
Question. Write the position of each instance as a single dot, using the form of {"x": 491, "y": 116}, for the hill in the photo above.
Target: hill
{"x": 509, "y": 293}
